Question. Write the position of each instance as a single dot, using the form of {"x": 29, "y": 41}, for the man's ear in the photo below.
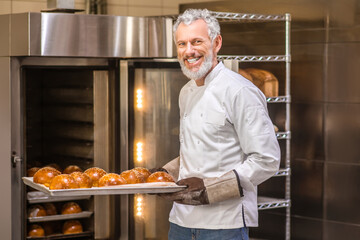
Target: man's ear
{"x": 217, "y": 43}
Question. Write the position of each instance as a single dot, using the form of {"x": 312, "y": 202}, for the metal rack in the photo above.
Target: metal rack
{"x": 232, "y": 62}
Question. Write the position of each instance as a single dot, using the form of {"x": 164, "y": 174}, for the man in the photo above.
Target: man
{"x": 227, "y": 141}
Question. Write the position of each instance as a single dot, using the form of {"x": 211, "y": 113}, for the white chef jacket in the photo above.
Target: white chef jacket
{"x": 224, "y": 125}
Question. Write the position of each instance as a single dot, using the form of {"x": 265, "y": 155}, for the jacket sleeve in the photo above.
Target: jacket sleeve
{"x": 173, "y": 168}
{"x": 257, "y": 138}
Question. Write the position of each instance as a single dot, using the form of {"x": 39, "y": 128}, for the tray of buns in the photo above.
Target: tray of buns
{"x": 154, "y": 187}
{"x": 83, "y": 214}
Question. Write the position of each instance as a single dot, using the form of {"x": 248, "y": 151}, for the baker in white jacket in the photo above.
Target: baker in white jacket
{"x": 227, "y": 141}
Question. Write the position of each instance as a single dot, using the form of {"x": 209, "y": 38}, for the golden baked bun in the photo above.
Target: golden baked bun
{"x": 45, "y": 175}
{"x": 37, "y": 211}
{"x": 95, "y": 174}
{"x": 160, "y": 177}
{"x": 63, "y": 181}
{"x": 71, "y": 227}
{"x": 31, "y": 171}
{"x": 36, "y": 230}
{"x": 133, "y": 177}
{"x": 265, "y": 81}
{"x": 144, "y": 171}
{"x": 50, "y": 209}
{"x": 82, "y": 179}
{"x": 72, "y": 168}
{"x": 111, "y": 179}
{"x": 71, "y": 208}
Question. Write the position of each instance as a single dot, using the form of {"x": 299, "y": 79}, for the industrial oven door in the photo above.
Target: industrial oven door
{"x": 153, "y": 138}
{"x": 63, "y": 113}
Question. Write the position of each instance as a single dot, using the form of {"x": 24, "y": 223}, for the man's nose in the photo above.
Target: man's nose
{"x": 189, "y": 48}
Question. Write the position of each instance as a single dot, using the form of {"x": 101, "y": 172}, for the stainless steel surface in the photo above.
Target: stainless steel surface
{"x": 79, "y": 35}
{"x": 7, "y": 218}
{"x": 5, "y": 35}
{"x": 102, "y": 149}
{"x": 17, "y": 149}
{"x": 61, "y": 4}
{"x": 124, "y": 144}
{"x": 58, "y": 217}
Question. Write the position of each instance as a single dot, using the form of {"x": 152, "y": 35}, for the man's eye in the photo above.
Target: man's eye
{"x": 181, "y": 44}
{"x": 198, "y": 41}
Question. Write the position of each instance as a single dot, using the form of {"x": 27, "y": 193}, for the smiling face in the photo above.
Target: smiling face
{"x": 196, "y": 53}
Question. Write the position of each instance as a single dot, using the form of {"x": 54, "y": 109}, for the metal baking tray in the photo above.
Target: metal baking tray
{"x": 64, "y": 236}
{"x": 160, "y": 187}
{"x": 40, "y": 197}
{"x": 83, "y": 214}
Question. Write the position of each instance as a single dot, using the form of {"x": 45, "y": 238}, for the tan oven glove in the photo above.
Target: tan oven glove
{"x": 205, "y": 191}
{"x": 224, "y": 187}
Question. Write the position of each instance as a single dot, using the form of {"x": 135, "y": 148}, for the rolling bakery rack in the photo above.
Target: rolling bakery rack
{"x": 232, "y": 62}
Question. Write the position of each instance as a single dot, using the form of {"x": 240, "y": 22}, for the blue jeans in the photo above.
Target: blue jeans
{"x": 177, "y": 232}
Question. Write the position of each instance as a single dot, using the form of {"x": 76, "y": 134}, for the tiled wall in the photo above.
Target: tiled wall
{"x": 114, "y": 7}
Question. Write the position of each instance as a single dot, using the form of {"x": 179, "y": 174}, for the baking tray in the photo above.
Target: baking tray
{"x": 83, "y": 214}
{"x": 40, "y": 197}
{"x": 160, "y": 187}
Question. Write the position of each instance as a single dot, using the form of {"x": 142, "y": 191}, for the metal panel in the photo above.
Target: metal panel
{"x": 5, "y": 35}
{"x": 308, "y": 131}
{"x": 342, "y": 133}
{"x": 336, "y": 230}
{"x": 5, "y": 150}
{"x": 101, "y": 150}
{"x": 58, "y": 34}
{"x": 342, "y": 193}
{"x": 307, "y": 197}
{"x": 343, "y": 67}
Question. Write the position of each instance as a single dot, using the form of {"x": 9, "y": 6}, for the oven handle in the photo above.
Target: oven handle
{"x": 14, "y": 160}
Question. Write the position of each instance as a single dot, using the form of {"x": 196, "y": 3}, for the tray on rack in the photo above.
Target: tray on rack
{"x": 83, "y": 214}
{"x": 160, "y": 187}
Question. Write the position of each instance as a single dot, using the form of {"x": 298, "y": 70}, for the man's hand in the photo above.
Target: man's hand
{"x": 194, "y": 194}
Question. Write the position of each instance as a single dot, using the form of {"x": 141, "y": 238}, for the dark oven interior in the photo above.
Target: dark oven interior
{"x": 59, "y": 131}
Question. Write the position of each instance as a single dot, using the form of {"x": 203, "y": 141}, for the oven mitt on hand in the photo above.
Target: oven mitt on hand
{"x": 194, "y": 194}
{"x": 209, "y": 190}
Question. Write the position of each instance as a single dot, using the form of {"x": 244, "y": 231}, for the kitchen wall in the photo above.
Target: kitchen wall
{"x": 114, "y": 7}
{"x": 325, "y": 119}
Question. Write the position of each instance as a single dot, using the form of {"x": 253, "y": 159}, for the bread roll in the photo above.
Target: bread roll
{"x": 71, "y": 227}
{"x": 265, "y": 81}
{"x": 36, "y": 230}
{"x": 71, "y": 208}
{"x": 133, "y": 177}
{"x": 63, "y": 181}
{"x": 160, "y": 177}
{"x": 31, "y": 171}
{"x": 50, "y": 209}
{"x": 45, "y": 175}
{"x": 82, "y": 179}
{"x": 111, "y": 179}
{"x": 95, "y": 174}
{"x": 49, "y": 227}
{"x": 144, "y": 171}
{"x": 72, "y": 168}
{"x": 37, "y": 211}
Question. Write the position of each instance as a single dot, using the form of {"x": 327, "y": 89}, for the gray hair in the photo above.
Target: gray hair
{"x": 191, "y": 15}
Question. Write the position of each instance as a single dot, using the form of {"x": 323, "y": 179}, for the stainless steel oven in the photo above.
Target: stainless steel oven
{"x": 67, "y": 98}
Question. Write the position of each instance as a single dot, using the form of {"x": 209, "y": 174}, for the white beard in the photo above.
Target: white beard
{"x": 204, "y": 69}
